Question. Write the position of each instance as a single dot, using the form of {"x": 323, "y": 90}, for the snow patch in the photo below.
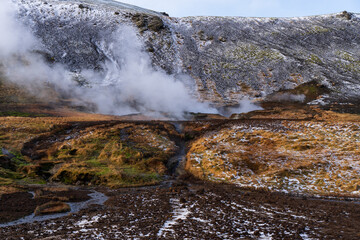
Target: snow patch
{"x": 178, "y": 214}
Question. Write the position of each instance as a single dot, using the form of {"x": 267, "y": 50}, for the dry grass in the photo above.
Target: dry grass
{"x": 122, "y": 155}
{"x": 306, "y": 157}
{"x": 15, "y": 131}
{"x": 111, "y": 155}
{"x": 9, "y": 190}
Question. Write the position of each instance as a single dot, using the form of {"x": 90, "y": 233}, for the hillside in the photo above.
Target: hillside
{"x": 228, "y": 58}
{"x": 118, "y": 122}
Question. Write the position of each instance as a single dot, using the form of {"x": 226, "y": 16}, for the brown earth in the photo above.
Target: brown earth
{"x": 22, "y": 203}
{"x": 209, "y": 211}
{"x": 42, "y": 143}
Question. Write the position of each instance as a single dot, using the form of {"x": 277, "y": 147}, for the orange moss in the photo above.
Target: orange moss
{"x": 285, "y": 156}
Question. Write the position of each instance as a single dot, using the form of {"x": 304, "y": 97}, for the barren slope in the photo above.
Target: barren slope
{"x": 228, "y": 57}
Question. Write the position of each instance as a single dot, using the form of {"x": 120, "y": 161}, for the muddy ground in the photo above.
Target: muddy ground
{"x": 181, "y": 206}
{"x": 16, "y": 205}
{"x": 197, "y": 210}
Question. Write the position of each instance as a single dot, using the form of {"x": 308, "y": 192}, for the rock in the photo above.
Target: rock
{"x": 139, "y": 20}
{"x": 5, "y": 162}
{"x": 222, "y": 39}
{"x": 146, "y": 22}
{"x": 346, "y": 15}
{"x": 155, "y": 24}
{"x": 82, "y": 6}
{"x": 52, "y": 208}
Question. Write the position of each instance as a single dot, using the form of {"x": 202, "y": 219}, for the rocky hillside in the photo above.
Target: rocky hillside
{"x": 229, "y": 58}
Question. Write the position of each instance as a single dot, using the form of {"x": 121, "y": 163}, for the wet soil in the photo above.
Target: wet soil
{"x": 16, "y": 205}
{"x": 198, "y": 210}
{"x": 20, "y": 204}
{"x": 176, "y": 162}
{"x": 182, "y": 207}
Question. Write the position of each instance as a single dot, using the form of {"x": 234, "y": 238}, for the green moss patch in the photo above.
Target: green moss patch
{"x": 124, "y": 155}
{"x": 348, "y": 62}
{"x": 253, "y": 54}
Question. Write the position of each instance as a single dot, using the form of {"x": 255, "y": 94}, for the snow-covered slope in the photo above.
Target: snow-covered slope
{"x": 229, "y": 58}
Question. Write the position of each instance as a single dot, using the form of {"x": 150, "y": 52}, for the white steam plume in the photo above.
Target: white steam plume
{"x": 130, "y": 73}
{"x": 18, "y": 60}
{"x": 129, "y": 84}
{"x": 15, "y": 38}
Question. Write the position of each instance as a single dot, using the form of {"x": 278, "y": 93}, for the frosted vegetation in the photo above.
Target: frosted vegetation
{"x": 297, "y": 157}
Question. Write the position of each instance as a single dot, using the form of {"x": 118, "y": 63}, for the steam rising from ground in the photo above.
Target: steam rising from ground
{"x": 142, "y": 88}
{"x": 15, "y": 38}
{"x": 129, "y": 84}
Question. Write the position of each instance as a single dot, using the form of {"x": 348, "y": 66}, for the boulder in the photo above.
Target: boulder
{"x": 346, "y": 15}
{"x": 155, "y": 24}
{"x": 145, "y": 22}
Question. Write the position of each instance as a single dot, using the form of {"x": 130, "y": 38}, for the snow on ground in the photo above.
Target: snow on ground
{"x": 197, "y": 212}
{"x": 297, "y": 157}
{"x": 98, "y": 10}
{"x": 179, "y": 213}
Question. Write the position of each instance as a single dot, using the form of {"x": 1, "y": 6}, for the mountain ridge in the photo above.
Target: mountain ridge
{"x": 229, "y": 58}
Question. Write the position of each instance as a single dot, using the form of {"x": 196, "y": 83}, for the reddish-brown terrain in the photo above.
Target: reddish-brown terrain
{"x": 286, "y": 172}
{"x": 166, "y": 200}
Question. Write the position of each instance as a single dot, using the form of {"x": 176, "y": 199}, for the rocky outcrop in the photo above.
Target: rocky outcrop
{"x": 145, "y": 22}
{"x": 228, "y": 57}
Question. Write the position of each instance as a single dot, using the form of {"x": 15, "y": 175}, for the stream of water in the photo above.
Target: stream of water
{"x": 100, "y": 198}
{"x": 96, "y": 198}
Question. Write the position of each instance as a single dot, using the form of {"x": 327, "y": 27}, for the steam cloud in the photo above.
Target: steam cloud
{"x": 129, "y": 72}
{"x": 128, "y": 85}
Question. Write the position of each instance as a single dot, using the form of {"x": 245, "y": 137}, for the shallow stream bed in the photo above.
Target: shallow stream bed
{"x": 96, "y": 198}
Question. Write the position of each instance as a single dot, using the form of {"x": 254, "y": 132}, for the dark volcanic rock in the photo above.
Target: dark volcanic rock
{"x": 183, "y": 213}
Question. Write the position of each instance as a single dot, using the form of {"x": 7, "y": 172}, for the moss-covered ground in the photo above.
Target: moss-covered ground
{"x": 307, "y": 157}
{"x": 115, "y": 154}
